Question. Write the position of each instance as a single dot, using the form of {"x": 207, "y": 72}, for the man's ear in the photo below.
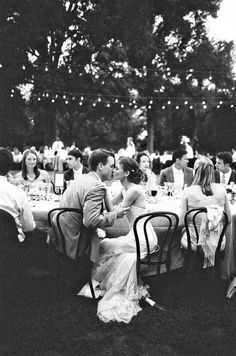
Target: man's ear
{"x": 127, "y": 173}
{"x": 100, "y": 165}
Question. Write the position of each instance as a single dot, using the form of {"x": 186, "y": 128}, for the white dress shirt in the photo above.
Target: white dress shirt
{"x": 14, "y": 201}
{"x": 178, "y": 176}
{"x": 227, "y": 176}
{"x": 78, "y": 172}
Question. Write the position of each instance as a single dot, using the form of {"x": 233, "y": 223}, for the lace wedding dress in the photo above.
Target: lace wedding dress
{"x": 116, "y": 272}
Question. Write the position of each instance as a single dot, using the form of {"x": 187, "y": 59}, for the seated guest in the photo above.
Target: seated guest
{"x": 145, "y": 165}
{"x": 74, "y": 161}
{"x": 202, "y": 193}
{"x": 178, "y": 173}
{"x": 30, "y": 171}
{"x": 13, "y": 199}
{"x": 224, "y": 173}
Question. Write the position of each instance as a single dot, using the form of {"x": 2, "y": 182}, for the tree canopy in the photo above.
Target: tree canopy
{"x": 103, "y": 70}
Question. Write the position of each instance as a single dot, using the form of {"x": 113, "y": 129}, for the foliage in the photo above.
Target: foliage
{"x": 127, "y": 49}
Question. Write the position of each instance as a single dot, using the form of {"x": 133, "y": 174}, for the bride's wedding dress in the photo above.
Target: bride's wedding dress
{"x": 116, "y": 272}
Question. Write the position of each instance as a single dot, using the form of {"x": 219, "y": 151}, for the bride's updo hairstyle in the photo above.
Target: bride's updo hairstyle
{"x": 130, "y": 165}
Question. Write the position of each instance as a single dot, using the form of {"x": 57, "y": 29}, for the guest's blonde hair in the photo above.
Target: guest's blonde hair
{"x": 204, "y": 174}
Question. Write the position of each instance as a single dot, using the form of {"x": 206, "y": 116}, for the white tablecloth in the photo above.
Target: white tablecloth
{"x": 40, "y": 210}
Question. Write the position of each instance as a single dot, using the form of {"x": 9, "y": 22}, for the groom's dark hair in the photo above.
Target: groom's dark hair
{"x": 99, "y": 156}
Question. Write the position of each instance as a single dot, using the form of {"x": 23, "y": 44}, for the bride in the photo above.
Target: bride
{"x": 116, "y": 268}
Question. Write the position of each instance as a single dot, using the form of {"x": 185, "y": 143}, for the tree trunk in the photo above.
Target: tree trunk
{"x": 150, "y": 130}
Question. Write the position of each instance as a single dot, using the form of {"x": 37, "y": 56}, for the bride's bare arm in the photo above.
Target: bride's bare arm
{"x": 117, "y": 198}
{"x": 130, "y": 197}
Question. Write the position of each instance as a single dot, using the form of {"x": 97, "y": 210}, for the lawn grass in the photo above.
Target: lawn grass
{"x": 41, "y": 317}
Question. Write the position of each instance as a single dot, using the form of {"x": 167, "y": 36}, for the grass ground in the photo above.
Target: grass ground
{"x": 40, "y": 317}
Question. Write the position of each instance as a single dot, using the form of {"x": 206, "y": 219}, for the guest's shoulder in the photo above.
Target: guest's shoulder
{"x": 18, "y": 175}
{"x": 165, "y": 170}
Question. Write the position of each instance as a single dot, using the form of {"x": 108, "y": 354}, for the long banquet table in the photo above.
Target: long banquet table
{"x": 40, "y": 211}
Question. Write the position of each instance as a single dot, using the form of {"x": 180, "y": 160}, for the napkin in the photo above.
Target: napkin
{"x": 232, "y": 288}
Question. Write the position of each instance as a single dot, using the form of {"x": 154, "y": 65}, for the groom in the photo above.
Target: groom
{"x": 87, "y": 193}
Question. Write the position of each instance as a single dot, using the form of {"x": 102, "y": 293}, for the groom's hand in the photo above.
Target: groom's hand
{"x": 120, "y": 211}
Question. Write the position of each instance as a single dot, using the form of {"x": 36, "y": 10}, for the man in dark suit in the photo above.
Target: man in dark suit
{"x": 178, "y": 173}
{"x": 74, "y": 161}
{"x": 224, "y": 174}
{"x": 86, "y": 193}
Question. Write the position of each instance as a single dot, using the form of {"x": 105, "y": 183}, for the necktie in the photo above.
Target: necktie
{"x": 223, "y": 179}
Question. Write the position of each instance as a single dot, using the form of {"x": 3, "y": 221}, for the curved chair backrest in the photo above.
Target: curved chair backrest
{"x": 192, "y": 216}
{"x": 59, "y": 212}
{"x": 163, "y": 254}
{"x": 8, "y": 232}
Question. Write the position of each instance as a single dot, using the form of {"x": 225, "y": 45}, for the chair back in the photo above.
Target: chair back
{"x": 84, "y": 241}
{"x": 8, "y": 233}
{"x": 162, "y": 255}
{"x": 194, "y": 214}
{"x": 59, "y": 212}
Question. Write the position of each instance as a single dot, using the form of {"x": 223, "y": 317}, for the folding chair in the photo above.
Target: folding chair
{"x": 62, "y": 259}
{"x": 192, "y": 257}
{"x": 162, "y": 256}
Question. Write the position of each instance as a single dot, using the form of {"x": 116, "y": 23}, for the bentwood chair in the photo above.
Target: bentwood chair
{"x": 193, "y": 258}
{"x": 59, "y": 261}
{"x": 166, "y": 224}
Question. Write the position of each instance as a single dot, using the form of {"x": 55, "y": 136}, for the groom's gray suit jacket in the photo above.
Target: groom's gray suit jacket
{"x": 83, "y": 193}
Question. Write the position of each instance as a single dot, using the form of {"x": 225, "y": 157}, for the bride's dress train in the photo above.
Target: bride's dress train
{"x": 116, "y": 272}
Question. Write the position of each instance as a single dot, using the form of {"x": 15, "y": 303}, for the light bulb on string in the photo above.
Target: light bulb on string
{"x": 12, "y": 95}
{"x": 80, "y": 103}
{"x": 39, "y": 99}
{"x": 169, "y": 102}
{"x": 163, "y": 107}
{"x": 221, "y": 102}
{"x": 122, "y": 106}
{"x": 46, "y": 69}
{"x": 53, "y": 100}
{"x": 56, "y": 96}
{"x": 150, "y": 102}
{"x": 205, "y": 106}
{"x": 47, "y": 95}
{"x": 186, "y": 102}
{"x": 135, "y": 106}
{"x": 94, "y": 104}
{"x": 218, "y": 106}
{"x": 203, "y": 102}
{"x": 116, "y": 101}
{"x": 177, "y": 107}
{"x": 64, "y": 96}
{"x": 82, "y": 98}
{"x": 149, "y": 106}
{"x": 191, "y": 107}
{"x": 66, "y": 102}
{"x": 232, "y": 105}
{"x": 23, "y": 67}
{"x": 12, "y": 91}
{"x": 108, "y": 105}
{"x": 69, "y": 70}
{"x": 99, "y": 99}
